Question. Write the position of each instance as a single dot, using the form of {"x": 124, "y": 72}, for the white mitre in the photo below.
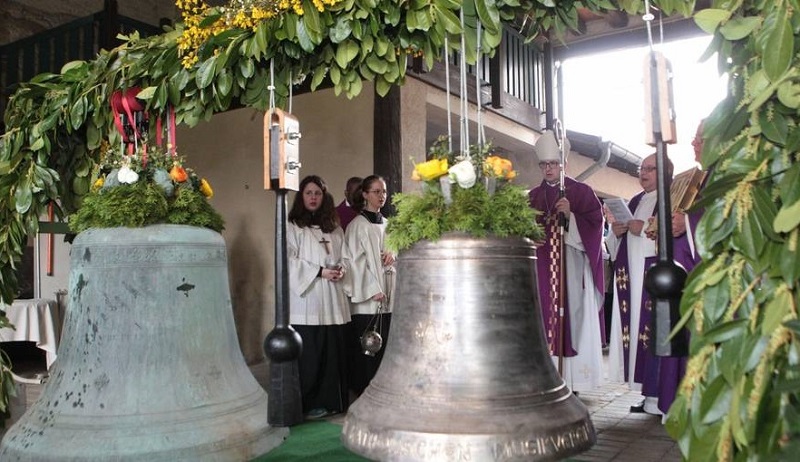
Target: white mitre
{"x": 546, "y": 147}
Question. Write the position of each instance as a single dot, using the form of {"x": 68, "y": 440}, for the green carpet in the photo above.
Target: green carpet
{"x": 315, "y": 441}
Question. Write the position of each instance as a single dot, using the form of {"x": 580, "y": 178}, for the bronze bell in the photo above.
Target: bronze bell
{"x": 467, "y": 374}
{"x": 149, "y": 367}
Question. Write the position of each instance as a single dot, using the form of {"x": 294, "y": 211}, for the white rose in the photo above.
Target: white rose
{"x": 127, "y": 176}
{"x": 463, "y": 173}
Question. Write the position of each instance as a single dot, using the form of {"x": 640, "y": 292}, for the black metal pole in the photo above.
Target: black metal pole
{"x": 664, "y": 281}
{"x": 283, "y": 344}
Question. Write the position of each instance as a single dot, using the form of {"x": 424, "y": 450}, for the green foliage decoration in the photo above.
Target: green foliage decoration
{"x": 740, "y": 399}
{"x": 488, "y": 205}
{"x": 128, "y": 205}
{"x": 473, "y": 211}
{"x": 190, "y": 207}
{"x": 163, "y": 192}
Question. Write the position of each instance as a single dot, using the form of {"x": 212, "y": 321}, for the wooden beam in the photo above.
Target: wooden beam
{"x": 386, "y": 142}
{"x": 497, "y": 75}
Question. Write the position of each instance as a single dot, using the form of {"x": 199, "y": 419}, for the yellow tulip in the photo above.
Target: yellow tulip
{"x": 431, "y": 169}
{"x": 205, "y": 188}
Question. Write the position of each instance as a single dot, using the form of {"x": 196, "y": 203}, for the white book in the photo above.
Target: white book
{"x": 619, "y": 209}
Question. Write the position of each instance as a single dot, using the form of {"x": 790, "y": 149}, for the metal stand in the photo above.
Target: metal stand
{"x": 283, "y": 344}
{"x": 664, "y": 281}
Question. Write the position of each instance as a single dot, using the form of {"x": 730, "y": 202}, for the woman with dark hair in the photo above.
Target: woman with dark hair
{"x": 317, "y": 304}
{"x": 370, "y": 283}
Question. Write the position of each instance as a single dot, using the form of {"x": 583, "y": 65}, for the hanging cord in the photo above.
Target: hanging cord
{"x": 447, "y": 93}
{"x": 463, "y": 94}
{"x": 271, "y": 86}
{"x": 291, "y": 84}
{"x": 648, "y": 19}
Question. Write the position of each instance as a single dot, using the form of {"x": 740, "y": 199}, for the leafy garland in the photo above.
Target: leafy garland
{"x": 740, "y": 399}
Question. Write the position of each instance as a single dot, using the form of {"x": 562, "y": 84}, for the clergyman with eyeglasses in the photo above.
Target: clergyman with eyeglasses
{"x": 583, "y": 291}
{"x": 631, "y": 359}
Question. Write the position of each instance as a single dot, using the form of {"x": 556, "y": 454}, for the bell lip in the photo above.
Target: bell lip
{"x": 521, "y": 438}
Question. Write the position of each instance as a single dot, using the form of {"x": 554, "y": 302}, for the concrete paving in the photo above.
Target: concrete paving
{"x": 621, "y": 435}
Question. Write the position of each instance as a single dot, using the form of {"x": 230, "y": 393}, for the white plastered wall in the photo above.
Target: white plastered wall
{"x": 336, "y": 143}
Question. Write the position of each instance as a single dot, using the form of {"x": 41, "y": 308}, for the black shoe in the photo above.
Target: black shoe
{"x": 638, "y": 409}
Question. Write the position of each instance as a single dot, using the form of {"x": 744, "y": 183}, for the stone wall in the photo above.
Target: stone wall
{"x": 23, "y": 18}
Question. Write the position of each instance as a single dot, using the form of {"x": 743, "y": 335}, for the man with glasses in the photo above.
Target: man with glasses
{"x": 631, "y": 358}
{"x": 573, "y": 338}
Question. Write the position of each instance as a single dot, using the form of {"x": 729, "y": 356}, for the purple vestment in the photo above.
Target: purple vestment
{"x": 346, "y": 214}
{"x": 587, "y": 216}
{"x": 659, "y": 376}
{"x": 672, "y": 369}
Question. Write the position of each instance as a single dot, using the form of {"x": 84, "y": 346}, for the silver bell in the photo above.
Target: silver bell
{"x": 371, "y": 342}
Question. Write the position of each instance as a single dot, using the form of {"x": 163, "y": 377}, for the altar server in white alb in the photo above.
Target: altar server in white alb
{"x": 318, "y": 307}
{"x": 584, "y": 281}
{"x": 370, "y": 282}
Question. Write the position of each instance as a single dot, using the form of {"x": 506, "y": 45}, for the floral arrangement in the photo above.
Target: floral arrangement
{"x": 143, "y": 188}
{"x": 202, "y": 22}
{"x": 471, "y": 193}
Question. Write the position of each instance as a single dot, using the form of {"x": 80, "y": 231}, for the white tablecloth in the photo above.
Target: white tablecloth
{"x": 35, "y": 320}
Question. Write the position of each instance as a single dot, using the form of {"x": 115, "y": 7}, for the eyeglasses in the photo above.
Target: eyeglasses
{"x": 379, "y": 192}
{"x": 647, "y": 169}
{"x": 550, "y": 164}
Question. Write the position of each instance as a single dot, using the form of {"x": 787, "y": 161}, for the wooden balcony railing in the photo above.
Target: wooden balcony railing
{"x": 49, "y": 50}
{"x": 512, "y": 82}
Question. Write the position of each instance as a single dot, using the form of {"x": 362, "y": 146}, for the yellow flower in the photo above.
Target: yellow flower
{"x": 205, "y": 188}
{"x": 98, "y": 183}
{"x": 178, "y": 174}
{"x": 431, "y": 169}
{"x": 500, "y": 167}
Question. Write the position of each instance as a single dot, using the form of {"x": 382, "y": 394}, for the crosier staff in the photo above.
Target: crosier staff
{"x": 551, "y": 148}
{"x": 562, "y": 228}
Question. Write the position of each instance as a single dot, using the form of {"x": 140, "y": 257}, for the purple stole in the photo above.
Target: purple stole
{"x": 589, "y": 220}
{"x": 622, "y": 282}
